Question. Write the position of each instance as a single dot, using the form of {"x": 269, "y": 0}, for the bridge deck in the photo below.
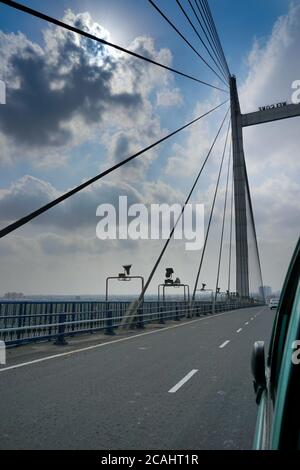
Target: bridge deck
{"x": 117, "y": 396}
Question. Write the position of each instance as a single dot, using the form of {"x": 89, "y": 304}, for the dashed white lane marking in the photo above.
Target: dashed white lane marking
{"x": 224, "y": 344}
{"x": 239, "y": 330}
{"x": 247, "y": 323}
{"x": 183, "y": 381}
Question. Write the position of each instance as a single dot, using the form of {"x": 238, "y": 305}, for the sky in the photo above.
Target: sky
{"x": 73, "y": 108}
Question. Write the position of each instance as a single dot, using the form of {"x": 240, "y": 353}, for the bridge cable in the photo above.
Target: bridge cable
{"x": 185, "y": 40}
{"x": 211, "y": 26}
{"x": 212, "y": 46}
{"x": 141, "y": 297}
{"x": 254, "y": 229}
{"x": 206, "y": 4}
{"x": 210, "y": 217}
{"x": 24, "y": 220}
{"x": 206, "y": 20}
{"x": 223, "y": 223}
{"x": 201, "y": 40}
{"x": 38, "y": 14}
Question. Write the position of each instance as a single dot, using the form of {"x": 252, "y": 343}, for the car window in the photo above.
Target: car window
{"x": 285, "y": 433}
{"x": 282, "y": 319}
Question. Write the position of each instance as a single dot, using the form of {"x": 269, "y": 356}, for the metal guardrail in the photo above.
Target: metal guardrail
{"x": 32, "y": 321}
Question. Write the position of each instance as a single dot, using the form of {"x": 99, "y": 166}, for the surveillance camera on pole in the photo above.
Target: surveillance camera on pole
{"x": 169, "y": 274}
{"x": 127, "y": 268}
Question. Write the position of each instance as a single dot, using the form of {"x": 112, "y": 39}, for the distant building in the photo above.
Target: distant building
{"x": 13, "y": 295}
{"x": 265, "y": 291}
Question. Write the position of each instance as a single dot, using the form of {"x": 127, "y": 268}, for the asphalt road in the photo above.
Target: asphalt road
{"x": 185, "y": 387}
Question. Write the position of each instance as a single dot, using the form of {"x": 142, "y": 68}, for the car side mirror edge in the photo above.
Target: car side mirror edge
{"x": 258, "y": 369}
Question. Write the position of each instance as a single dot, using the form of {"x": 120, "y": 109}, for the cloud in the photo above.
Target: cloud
{"x": 169, "y": 98}
{"x": 272, "y": 64}
{"x": 271, "y": 153}
{"x": 159, "y": 192}
{"x": 71, "y": 90}
{"x": 277, "y": 205}
{"x": 186, "y": 158}
{"x": 126, "y": 142}
{"x": 56, "y": 85}
{"x": 272, "y": 150}
{"x": 79, "y": 212}
{"x": 272, "y": 69}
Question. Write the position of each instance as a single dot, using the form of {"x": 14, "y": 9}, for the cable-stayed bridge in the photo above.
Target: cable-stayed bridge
{"x": 171, "y": 362}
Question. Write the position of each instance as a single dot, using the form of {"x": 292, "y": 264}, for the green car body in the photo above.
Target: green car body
{"x": 277, "y": 383}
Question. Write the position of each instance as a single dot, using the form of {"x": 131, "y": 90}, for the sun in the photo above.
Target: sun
{"x": 116, "y": 29}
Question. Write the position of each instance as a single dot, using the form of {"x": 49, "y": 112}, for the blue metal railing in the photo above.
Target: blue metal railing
{"x": 28, "y": 321}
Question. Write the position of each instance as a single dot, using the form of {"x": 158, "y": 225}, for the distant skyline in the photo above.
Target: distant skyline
{"x": 67, "y": 117}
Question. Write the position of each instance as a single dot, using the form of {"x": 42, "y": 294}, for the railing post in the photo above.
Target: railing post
{"x": 161, "y": 316}
{"x": 92, "y": 324}
{"x": 109, "y": 322}
{"x": 20, "y": 319}
{"x": 140, "y": 317}
{"x": 60, "y": 340}
{"x": 73, "y": 317}
{"x": 49, "y": 311}
{"x": 198, "y": 312}
{"x": 177, "y": 316}
{"x": 188, "y": 312}
{"x": 213, "y": 299}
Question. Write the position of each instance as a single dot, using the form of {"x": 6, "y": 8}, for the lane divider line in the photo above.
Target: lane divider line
{"x": 183, "y": 381}
{"x": 239, "y": 330}
{"x": 224, "y": 344}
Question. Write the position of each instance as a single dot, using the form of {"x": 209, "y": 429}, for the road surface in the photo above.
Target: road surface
{"x": 187, "y": 386}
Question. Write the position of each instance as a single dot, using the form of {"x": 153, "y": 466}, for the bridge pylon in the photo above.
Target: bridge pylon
{"x": 240, "y": 203}
{"x": 242, "y": 198}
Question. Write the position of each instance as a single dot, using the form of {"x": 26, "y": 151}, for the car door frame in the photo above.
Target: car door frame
{"x": 270, "y": 414}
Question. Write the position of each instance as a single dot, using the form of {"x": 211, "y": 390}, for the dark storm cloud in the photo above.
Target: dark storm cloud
{"x": 58, "y": 83}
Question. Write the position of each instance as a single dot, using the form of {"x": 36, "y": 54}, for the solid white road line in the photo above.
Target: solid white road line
{"x": 183, "y": 381}
{"x": 224, "y": 344}
{"x": 96, "y": 346}
{"x": 239, "y": 330}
